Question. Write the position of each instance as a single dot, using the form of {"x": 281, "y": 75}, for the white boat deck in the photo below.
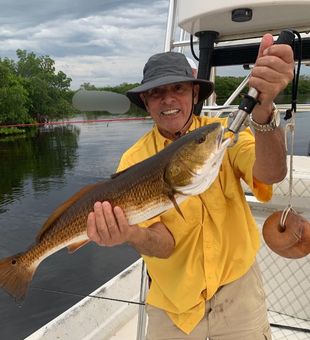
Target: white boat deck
{"x": 286, "y": 283}
{"x": 129, "y": 328}
{"x": 274, "y": 318}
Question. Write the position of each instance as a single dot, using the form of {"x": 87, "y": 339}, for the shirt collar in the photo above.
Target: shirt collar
{"x": 162, "y": 141}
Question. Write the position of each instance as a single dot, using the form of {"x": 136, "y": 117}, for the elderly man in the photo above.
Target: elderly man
{"x": 205, "y": 280}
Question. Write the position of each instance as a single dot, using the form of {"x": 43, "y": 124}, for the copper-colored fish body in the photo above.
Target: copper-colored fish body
{"x": 185, "y": 168}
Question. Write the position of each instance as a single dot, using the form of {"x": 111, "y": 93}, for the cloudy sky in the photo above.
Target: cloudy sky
{"x": 103, "y": 42}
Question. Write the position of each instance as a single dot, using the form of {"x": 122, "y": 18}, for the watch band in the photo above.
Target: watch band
{"x": 272, "y": 125}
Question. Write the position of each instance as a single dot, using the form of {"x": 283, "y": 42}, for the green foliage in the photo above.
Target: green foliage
{"x": 121, "y": 89}
{"x": 88, "y": 87}
{"x": 31, "y": 90}
{"x": 39, "y": 156}
{"x": 13, "y": 98}
{"x": 11, "y": 131}
{"x": 225, "y": 86}
{"x": 303, "y": 86}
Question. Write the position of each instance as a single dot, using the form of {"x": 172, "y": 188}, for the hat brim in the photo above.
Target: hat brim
{"x": 205, "y": 88}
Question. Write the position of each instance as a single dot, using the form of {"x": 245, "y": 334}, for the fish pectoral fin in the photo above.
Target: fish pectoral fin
{"x": 175, "y": 204}
{"x": 75, "y": 246}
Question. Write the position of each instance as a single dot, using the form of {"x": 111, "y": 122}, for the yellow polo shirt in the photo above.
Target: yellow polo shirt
{"x": 216, "y": 242}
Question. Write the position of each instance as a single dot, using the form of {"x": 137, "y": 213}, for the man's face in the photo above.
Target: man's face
{"x": 170, "y": 106}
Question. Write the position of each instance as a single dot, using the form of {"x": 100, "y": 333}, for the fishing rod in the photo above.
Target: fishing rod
{"x": 77, "y": 122}
{"x": 87, "y": 295}
{"x": 291, "y": 328}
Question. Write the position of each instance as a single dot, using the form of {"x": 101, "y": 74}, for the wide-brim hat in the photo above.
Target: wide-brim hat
{"x": 168, "y": 68}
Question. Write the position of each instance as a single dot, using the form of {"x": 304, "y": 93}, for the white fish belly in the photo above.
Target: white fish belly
{"x": 152, "y": 210}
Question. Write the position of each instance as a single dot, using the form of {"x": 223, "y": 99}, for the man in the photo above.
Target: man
{"x": 205, "y": 280}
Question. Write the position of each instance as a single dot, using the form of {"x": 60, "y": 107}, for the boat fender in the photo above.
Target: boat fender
{"x": 291, "y": 241}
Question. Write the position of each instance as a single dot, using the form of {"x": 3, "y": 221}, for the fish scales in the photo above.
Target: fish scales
{"x": 186, "y": 167}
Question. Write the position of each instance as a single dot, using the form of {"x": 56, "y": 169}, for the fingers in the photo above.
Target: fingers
{"x": 97, "y": 229}
{"x": 92, "y": 232}
{"x": 121, "y": 220}
{"x": 270, "y": 76}
{"x": 267, "y": 47}
{"x": 273, "y": 69}
{"x": 107, "y": 227}
{"x": 107, "y": 224}
{"x": 266, "y": 42}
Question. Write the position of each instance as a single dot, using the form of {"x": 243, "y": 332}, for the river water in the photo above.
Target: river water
{"x": 40, "y": 171}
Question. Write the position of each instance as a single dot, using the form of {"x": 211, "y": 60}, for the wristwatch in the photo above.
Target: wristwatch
{"x": 275, "y": 120}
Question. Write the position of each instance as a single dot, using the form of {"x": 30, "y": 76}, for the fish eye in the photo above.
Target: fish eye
{"x": 200, "y": 139}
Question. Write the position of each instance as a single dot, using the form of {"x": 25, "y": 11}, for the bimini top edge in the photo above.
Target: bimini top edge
{"x": 239, "y": 19}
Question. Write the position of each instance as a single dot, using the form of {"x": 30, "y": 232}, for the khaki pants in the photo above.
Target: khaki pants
{"x": 236, "y": 312}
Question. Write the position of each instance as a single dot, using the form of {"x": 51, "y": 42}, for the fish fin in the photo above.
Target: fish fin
{"x": 175, "y": 204}
{"x": 75, "y": 246}
{"x": 116, "y": 174}
{"x": 63, "y": 207}
{"x": 15, "y": 277}
{"x": 156, "y": 215}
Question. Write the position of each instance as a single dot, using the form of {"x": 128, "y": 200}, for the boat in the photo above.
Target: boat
{"x": 227, "y": 33}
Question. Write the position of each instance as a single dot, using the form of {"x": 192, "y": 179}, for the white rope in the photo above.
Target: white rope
{"x": 284, "y": 215}
{"x": 289, "y": 127}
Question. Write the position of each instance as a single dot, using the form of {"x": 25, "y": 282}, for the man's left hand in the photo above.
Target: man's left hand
{"x": 271, "y": 74}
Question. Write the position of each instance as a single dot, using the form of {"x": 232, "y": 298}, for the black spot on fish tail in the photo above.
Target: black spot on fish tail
{"x": 15, "y": 277}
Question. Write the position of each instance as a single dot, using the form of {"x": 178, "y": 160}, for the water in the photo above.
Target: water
{"x": 302, "y": 126}
{"x": 39, "y": 172}
{"x": 301, "y": 134}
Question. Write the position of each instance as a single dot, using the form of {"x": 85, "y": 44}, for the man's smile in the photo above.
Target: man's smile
{"x": 170, "y": 112}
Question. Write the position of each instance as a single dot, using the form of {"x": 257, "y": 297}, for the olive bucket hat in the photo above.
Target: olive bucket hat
{"x": 168, "y": 68}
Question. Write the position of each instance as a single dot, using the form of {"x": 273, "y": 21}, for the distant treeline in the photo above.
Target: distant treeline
{"x": 224, "y": 86}
{"x": 31, "y": 91}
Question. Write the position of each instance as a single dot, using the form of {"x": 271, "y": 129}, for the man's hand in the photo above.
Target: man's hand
{"x": 109, "y": 227}
{"x": 271, "y": 74}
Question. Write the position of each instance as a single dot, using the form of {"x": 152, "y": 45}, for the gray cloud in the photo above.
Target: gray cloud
{"x": 104, "y": 43}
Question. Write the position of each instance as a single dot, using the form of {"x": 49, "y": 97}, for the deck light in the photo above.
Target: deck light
{"x": 241, "y": 15}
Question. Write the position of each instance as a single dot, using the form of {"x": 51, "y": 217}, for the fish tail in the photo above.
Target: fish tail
{"x": 15, "y": 276}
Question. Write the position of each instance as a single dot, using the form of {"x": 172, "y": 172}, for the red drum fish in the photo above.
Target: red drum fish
{"x": 185, "y": 168}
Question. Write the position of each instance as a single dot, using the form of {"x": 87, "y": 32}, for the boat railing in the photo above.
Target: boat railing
{"x": 144, "y": 285}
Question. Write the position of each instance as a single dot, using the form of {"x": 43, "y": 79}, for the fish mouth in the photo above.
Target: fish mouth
{"x": 221, "y": 142}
